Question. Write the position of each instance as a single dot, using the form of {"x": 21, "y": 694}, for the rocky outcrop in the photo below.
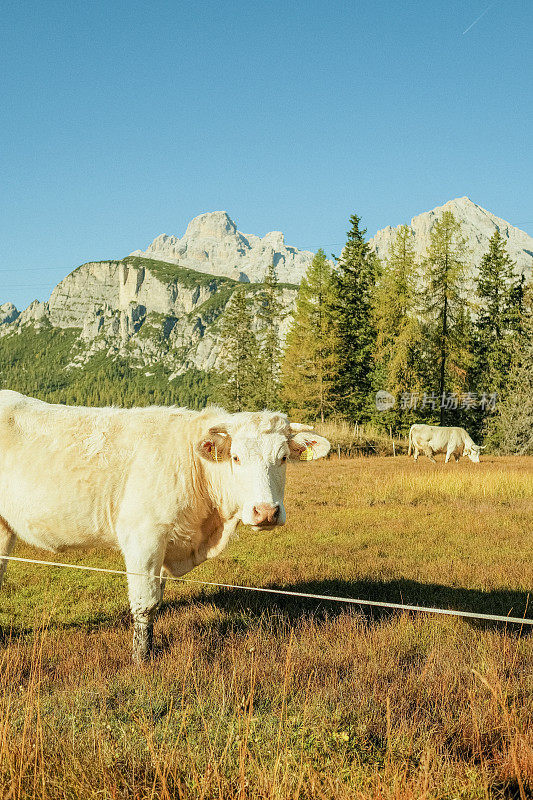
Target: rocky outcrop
{"x": 115, "y": 286}
{"x": 478, "y": 225}
{"x": 8, "y": 313}
{"x": 213, "y": 244}
{"x": 149, "y": 311}
{"x": 36, "y": 313}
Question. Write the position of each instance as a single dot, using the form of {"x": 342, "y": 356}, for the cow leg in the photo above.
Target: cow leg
{"x": 163, "y": 582}
{"x": 144, "y": 589}
{"x": 415, "y": 456}
{"x": 7, "y": 542}
{"x": 448, "y": 456}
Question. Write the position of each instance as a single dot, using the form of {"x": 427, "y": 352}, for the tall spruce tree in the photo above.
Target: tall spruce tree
{"x": 355, "y": 280}
{"x": 270, "y": 314}
{"x": 309, "y": 361}
{"x": 497, "y": 317}
{"x": 398, "y": 345}
{"x": 240, "y": 352}
{"x": 444, "y": 308}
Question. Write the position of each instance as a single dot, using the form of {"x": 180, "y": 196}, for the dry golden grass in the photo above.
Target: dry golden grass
{"x": 262, "y": 697}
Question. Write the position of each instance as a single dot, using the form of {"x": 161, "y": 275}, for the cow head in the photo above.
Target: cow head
{"x": 473, "y": 451}
{"x": 252, "y": 451}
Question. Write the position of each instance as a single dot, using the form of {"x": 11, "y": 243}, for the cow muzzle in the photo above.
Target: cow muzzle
{"x": 265, "y": 516}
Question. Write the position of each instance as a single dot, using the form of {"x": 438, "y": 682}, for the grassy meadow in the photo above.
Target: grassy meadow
{"x": 253, "y": 696}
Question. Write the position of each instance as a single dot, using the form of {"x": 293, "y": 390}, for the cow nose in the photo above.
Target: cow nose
{"x": 265, "y": 514}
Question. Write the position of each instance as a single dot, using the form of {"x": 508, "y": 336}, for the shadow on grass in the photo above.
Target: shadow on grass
{"x": 243, "y": 609}
{"x": 98, "y": 621}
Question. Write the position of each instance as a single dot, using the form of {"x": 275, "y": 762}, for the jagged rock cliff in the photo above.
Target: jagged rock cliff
{"x": 478, "y": 225}
{"x": 152, "y": 312}
{"x": 213, "y": 244}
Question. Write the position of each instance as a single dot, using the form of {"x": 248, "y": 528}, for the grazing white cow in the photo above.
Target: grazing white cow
{"x": 431, "y": 439}
{"x": 167, "y": 486}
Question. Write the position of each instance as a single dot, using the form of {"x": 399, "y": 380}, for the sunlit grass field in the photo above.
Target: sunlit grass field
{"x": 255, "y": 696}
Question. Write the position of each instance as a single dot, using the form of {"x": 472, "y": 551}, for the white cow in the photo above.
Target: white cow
{"x": 167, "y": 486}
{"x": 431, "y": 439}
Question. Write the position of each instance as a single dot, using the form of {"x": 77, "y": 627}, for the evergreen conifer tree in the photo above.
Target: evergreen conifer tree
{"x": 511, "y": 429}
{"x": 355, "y": 280}
{"x": 498, "y": 296}
{"x": 309, "y": 361}
{"x": 446, "y": 318}
{"x": 269, "y": 313}
{"x": 398, "y": 345}
{"x": 239, "y": 351}
{"x": 519, "y": 293}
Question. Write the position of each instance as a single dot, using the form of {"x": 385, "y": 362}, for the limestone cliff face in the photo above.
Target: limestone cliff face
{"x": 152, "y": 312}
{"x": 213, "y": 244}
{"x": 478, "y": 226}
{"x": 117, "y": 286}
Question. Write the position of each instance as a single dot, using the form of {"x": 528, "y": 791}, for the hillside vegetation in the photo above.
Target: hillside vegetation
{"x": 135, "y": 331}
{"x": 256, "y": 696}
{"x": 168, "y": 273}
{"x": 39, "y": 363}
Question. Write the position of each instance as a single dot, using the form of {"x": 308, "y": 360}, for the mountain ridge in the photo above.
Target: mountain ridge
{"x": 478, "y": 225}
{"x": 166, "y": 314}
{"x": 212, "y": 243}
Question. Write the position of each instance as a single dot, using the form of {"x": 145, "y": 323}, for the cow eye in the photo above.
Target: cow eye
{"x": 236, "y": 459}
{"x": 284, "y": 459}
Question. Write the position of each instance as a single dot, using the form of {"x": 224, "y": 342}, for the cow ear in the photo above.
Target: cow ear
{"x": 308, "y": 445}
{"x": 216, "y": 446}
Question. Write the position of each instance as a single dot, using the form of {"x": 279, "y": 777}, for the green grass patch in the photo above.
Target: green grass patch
{"x": 170, "y": 273}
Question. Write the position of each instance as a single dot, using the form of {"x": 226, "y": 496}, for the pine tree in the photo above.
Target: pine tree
{"x": 309, "y": 362}
{"x": 444, "y": 308}
{"x": 498, "y": 297}
{"x": 357, "y": 271}
{"x": 398, "y": 342}
{"x": 511, "y": 429}
{"x": 269, "y": 313}
{"x": 239, "y": 351}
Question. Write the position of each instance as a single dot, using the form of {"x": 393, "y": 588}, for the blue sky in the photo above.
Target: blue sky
{"x": 123, "y": 120}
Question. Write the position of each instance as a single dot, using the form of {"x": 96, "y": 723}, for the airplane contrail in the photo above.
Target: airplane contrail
{"x": 481, "y": 15}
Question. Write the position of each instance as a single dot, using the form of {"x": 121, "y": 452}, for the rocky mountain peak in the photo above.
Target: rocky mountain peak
{"x": 215, "y": 224}
{"x": 8, "y": 313}
{"x": 213, "y": 244}
{"x": 478, "y": 226}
